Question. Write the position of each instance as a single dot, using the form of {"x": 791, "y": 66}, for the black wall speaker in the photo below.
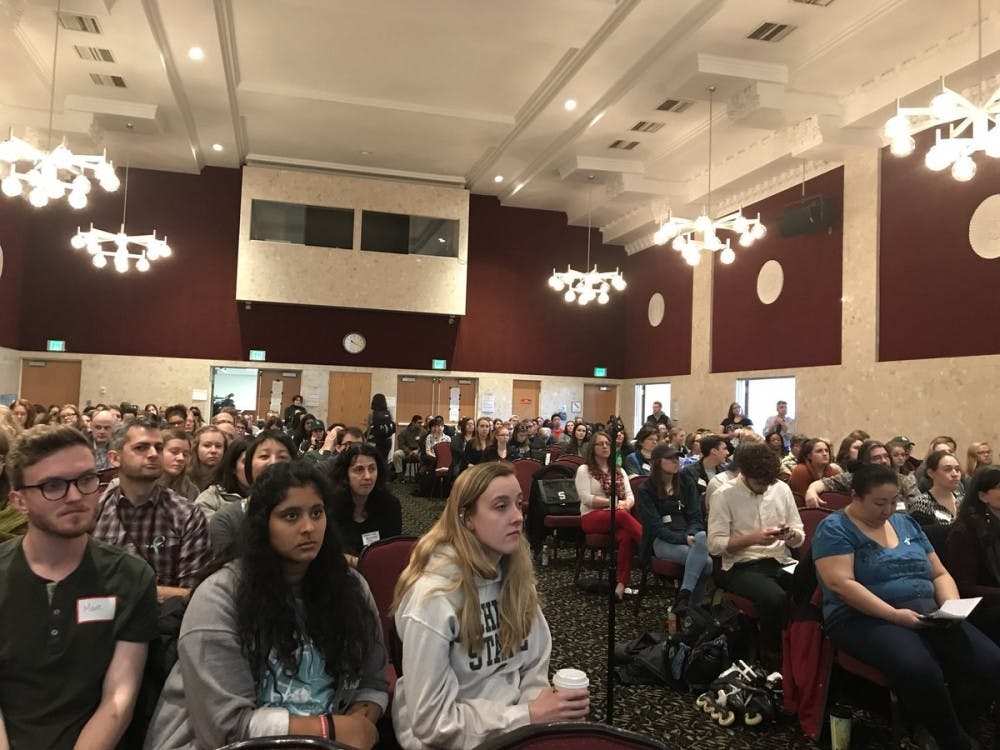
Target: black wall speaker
{"x": 810, "y": 214}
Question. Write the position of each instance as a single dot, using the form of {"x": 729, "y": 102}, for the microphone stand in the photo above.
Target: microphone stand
{"x": 609, "y": 708}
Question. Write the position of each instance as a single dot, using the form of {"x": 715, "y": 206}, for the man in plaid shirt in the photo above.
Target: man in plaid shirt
{"x": 147, "y": 520}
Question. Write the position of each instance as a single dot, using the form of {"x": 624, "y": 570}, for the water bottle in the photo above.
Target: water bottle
{"x": 671, "y": 621}
{"x": 545, "y": 555}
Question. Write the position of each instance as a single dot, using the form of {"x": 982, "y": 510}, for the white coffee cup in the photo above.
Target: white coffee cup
{"x": 570, "y": 679}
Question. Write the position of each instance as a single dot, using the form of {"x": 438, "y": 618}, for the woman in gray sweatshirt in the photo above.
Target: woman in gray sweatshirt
{"x": 475, "y": 643}
{"x": 283, "y": 639}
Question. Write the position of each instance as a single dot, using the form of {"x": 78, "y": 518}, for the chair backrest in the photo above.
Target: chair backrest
{"x": 443, "y": 453}
{"x": 578, "y": 735}
{"x": 381, "y": 563}
{"x": 811, "y": 518}
{"x": 286, "y": 742}
{"x": 636, "y": 482}
{"x": 572, "y": 458}
{"x": 525, "y": 469}
{"x": 555, "y": 450}
{"x": 835, "y": 500}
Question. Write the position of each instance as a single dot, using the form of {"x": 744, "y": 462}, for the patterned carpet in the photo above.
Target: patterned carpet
{"x": 579, "y": 632}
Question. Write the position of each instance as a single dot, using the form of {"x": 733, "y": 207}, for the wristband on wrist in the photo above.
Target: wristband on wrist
{"x": 324, "y": 725}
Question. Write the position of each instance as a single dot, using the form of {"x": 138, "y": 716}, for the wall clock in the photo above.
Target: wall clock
{"x": 355, "y": 343}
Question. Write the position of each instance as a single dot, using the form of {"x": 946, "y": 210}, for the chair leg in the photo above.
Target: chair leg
{"x": 641, "y": 591}
{"x": 579, "y": 563}
{"x": 895, "y": 720}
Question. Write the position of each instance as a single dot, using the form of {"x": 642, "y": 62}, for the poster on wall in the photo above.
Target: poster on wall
{"x": 454, "y": 403}
{"x": 489, "y": 403}
{"x": 277, "y": 388}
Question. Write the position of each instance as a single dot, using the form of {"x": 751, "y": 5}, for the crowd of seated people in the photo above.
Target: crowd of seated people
{"x": 127, "y": 505}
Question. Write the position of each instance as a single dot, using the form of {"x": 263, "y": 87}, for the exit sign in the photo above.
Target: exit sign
{"x": 258, "y": 355}
{"x": 439, "y": 364}
{"x": 55, "y": 345}
{"x": 600, "y": 372}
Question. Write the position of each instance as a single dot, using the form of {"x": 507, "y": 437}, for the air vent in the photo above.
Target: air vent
{"x": 646, "y": 126}
{"x": 675, "y": 105}
{"x": 624, "y": 145}
{"x": 76, "y": 22}
{"x": 821, "y": 3}
{"x": 102, "y": 80}
{"x": 771, "y": 32}
{"x": 97, "y": 54}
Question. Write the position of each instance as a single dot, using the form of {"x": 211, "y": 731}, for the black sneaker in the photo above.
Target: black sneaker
{"x": 682, "y": 602}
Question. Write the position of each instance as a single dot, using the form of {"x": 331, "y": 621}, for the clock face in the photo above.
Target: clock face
{"x": 354, "y": 343}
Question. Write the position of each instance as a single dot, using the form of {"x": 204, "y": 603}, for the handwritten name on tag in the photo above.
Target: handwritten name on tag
{"x": 96, "y": 609}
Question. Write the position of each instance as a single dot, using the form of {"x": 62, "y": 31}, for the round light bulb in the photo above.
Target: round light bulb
{"x": 740, "y": 224}
{"x": 897, "y": 127}
{"x": 165, "y": 250}
{"x": 746, "y": 239}
{"x": 603, "y": 298}
{"x": 142, "y": 264}
{"x": 711, "y": 241}
{"x": 902, "y": 146}
{"x": 703, "y": 223}
{"x": 54, "y": 189}
{"x": 38, "y": 197}
{"x": 121, "y": 264}
{"x": 99, "y": 261}
{"x": 618, "y": 282}
{"x": 660, "y": 236}
{"x": 604, "y": 288}
{"x": 692, "y": 257}
{"x": 81, "y": 184}
{"x": 78, "y": 241}
{"x": 11, "y": 186}
{"x": 152, "y": 252}
{"x": 964, "y": 169}
{"x": 569, "y": 296}
{"x": 583, "y": 299}
{"x": 758, "y": 231}
{"x": 992, "y": 148}
{"x": 679, "y": 243}
{"x": 93, "y": 246}
{"x": 945, "y": 107}
{"x": 727, "y": 256}
{"x": 110, "y": 182}
{"x": 77, "y": 199}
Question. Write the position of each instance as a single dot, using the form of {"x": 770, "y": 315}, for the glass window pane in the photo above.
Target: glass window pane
{"x": 318, "y": 226}
{"x": 414, "y": 235}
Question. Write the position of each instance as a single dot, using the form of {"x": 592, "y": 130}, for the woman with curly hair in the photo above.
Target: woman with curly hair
{"x": 281, "y": 639}
{"x": 364, "y": 511}
{"x": 475, "y": 643}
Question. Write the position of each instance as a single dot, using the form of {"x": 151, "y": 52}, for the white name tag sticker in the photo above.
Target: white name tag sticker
{"x": 96, "y": 609}
{"x": 667, "y": 519}
{"x": 370, "y": 538}
{"x": 645, "y": 467}
{"x": 703, "y": 483}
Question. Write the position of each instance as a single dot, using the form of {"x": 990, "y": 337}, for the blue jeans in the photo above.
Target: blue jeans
{"x": 695, "y": 559}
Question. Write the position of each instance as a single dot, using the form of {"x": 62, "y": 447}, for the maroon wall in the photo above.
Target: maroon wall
{"x": 13, "y": 215}
{"x": 665, "y": 349}
{"x": 802, "y": 328}
{"x": 185, "y": 306}
{"x": 937, "y": 298}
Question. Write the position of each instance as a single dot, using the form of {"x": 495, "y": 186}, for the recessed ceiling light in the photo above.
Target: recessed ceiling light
{"x": 570, "y": 105}
{"x": 366, "y": 153}
{"x": 196, "y": 53}
{"x": 217, "y": 147}
{"x": 498, "y": 178}
{"x": 442, "y": 239}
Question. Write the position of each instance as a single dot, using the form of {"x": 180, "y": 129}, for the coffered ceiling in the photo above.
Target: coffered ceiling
{"x": 474, "y": 92}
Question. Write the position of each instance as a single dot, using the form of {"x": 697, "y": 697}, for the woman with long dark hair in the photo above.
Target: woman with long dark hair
{"x": 974, "y": 549}
{"x": 283, "y": 638}
{"x": 520, "y": 442}
{"x": 475, "y": 642}
{"x": 230, "y": 483}
{"x": 364, "y": 511}
{"x": 672, "y": 524}
{"x": 501, "y": 450}
{"x": 593, "y": 486}
{"x": 940, "y": 503}
{"x": 475, "y": 449}
{"x": 579, "y": 444}
{"x": 733, "y": 425}
{"x": 381, "y": 427}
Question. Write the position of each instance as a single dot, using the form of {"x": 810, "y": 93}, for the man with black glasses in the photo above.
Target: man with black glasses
{"x": 148, "y": 520}
{"x": 75, "y": 614}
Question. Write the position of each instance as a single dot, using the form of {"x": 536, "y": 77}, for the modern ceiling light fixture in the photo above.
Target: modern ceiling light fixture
{"x": 691, "y": 237}
{"x": 153, "y": 248}
{"x": 586, "y": 286}
{"x": 56, "y": 173}
{"x": 973, "y": 128}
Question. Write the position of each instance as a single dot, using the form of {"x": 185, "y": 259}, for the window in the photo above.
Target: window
{"x": 759, "y": 397}
{"x": 318, "y": 226}
{"x": 645, "y": 395}
{"x": 408, "y": 235}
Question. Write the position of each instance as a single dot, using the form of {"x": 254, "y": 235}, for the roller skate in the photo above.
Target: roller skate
{"x": 739, "y": 693}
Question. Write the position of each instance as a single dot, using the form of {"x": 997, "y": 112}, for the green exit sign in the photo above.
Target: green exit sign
{"x": 600, "y": 372}
{"x": 439, "y": 364}
{"x": 258, "y": 355}
{"x": 55, "y": 345}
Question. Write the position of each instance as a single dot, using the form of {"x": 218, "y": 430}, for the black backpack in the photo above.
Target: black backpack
{"x": 382, "y": 427}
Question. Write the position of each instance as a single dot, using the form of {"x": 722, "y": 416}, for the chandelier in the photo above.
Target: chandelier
{"x": 586, "y": 286}
{"x": 973, "y": 128}
{"x": 149, "y": 246}
{"x": 56, "y": 173}
{"x": 690, "y": 237}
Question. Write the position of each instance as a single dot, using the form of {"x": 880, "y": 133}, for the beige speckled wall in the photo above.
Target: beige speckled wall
{"x": 271, "y": 271}
{"x": 918, "y": 398}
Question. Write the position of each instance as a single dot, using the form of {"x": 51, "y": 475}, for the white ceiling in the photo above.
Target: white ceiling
{"x": 460, "y": 91}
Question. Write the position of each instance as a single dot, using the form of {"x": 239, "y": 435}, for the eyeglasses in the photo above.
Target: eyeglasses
{"x": 57, "y": 489}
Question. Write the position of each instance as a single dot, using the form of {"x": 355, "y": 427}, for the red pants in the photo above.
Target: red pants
{"x": 628, "y": 533}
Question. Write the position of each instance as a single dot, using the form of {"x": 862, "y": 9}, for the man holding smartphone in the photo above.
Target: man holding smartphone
{"x": 752, "y": 523}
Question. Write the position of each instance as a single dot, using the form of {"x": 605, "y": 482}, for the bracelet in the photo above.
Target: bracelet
{"x": 324, "y": 725}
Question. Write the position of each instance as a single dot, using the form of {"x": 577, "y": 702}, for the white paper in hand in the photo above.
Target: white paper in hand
{"x": 955, "y": 609}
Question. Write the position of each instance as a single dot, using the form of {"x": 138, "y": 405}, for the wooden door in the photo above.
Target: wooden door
{"x": 272, "y": 382}
{"x": 414, "y": 395}
{"x": 349, "y": 397}
{"x": 467, "y": 390}
{"x": 599, "y": 401}
{"x": 525, "y": 397}
{"x": 50, "y": 381}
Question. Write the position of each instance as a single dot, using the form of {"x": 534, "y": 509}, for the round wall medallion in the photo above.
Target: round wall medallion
{"x": 984, "y": 229}
{"x": 656, "y": 309}
{"x": 770, "y": 281}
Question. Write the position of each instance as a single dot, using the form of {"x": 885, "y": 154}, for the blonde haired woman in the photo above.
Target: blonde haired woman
{"x": 978, "y": 456}
{"x": 475, "y": 643}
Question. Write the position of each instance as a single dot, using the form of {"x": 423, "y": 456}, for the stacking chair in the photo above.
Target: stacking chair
{"x": 286, "y": 742}
{"x": 525, "y": 469}
{"x": 835, "y": 500}
{"x": 442, "y": 471}
{"x": 578, "y": 735}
